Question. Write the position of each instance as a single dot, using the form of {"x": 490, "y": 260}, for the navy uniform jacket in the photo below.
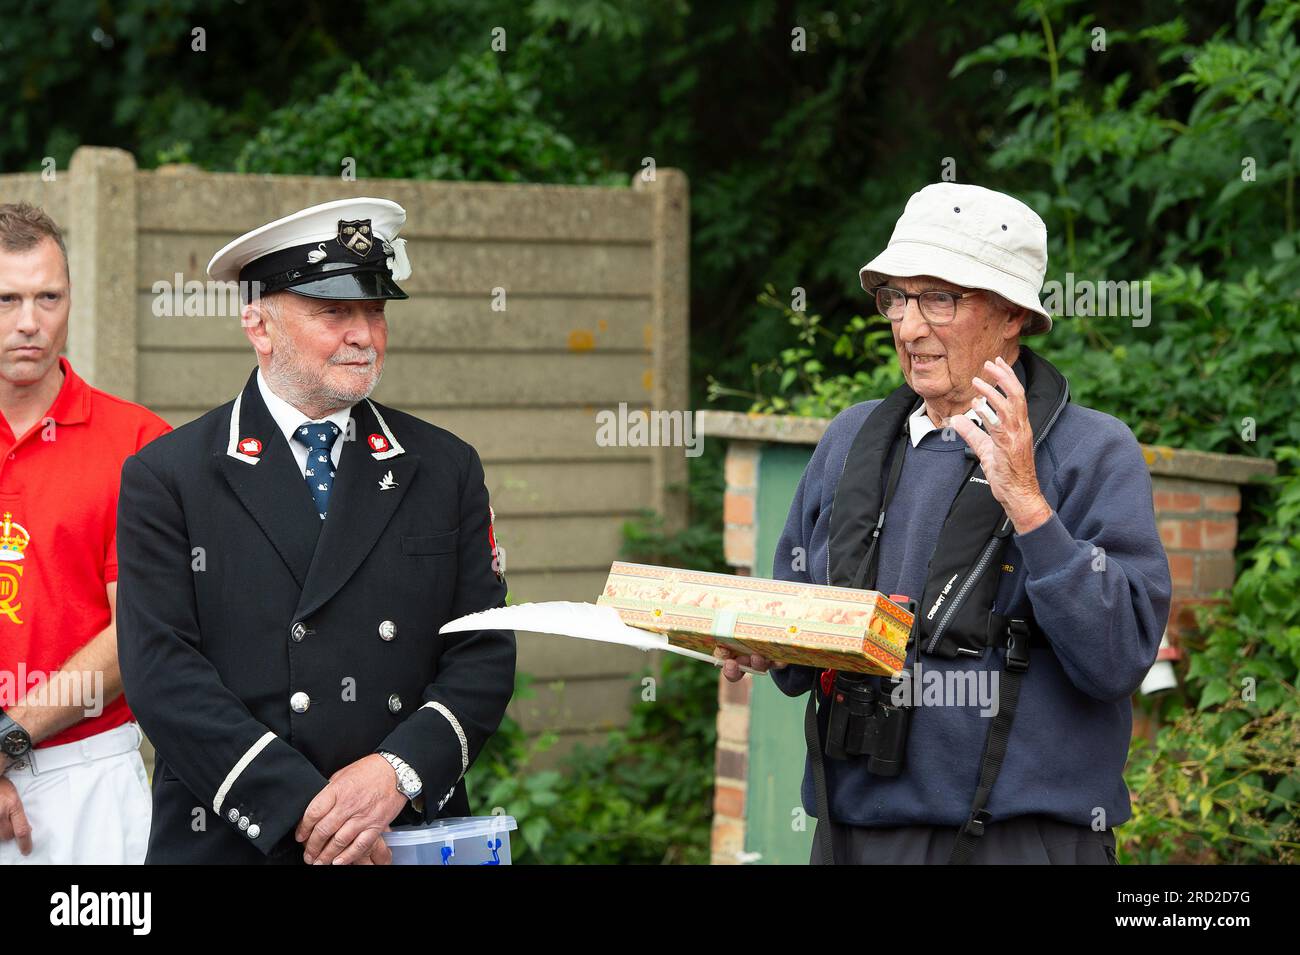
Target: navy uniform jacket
{"x": 263, "y": 649}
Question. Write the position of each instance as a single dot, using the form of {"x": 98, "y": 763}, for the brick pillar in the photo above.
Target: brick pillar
{"x": 739, "y": 530}
{"x": 1198, "y": 526}
{"x": 731, "y": 772}
{"x": 732, "y": 761}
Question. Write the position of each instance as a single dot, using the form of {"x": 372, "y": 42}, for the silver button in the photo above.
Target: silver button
{"x": 394, "y": 704}
{"x": 233, "y": 815}
{"x": 297, "y": 632}
{"x": 254, "y": 831}
{"x": 387, "y": 630}
{"x": 243, "y": 822}
{"x": 300, "y": 702}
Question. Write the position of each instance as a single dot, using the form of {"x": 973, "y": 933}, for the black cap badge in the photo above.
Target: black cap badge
{"x": 356, "y": 237}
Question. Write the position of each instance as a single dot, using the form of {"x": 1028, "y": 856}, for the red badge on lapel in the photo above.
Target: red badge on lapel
{"x": 377, "y": 442}
{"x": 250, "y": 446}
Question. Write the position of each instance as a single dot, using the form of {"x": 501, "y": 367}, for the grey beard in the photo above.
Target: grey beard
{"x": 304, "y": 392}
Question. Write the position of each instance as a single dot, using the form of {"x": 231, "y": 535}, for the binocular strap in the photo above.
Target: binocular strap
{"x": 995, "y": 749}
{"x": 823, "y": 848}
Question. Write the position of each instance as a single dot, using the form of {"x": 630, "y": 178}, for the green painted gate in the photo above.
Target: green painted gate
{"x": 776, "y": 747}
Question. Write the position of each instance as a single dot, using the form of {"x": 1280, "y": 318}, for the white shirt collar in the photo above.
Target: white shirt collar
{"x": 288, "y": 418}
{"x": 919, "y": 424}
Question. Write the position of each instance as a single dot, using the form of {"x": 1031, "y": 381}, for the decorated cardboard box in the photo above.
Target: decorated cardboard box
{"x": 825, "y": 627}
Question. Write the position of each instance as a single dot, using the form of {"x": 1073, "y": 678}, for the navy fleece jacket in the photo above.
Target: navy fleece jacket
{"x": 1096, "y": 579}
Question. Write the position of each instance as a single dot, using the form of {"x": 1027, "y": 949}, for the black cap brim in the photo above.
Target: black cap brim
{"x": 366, "y": 284}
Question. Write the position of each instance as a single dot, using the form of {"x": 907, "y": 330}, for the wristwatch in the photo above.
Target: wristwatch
{"x": 15, "y": 742}
{"x": 408, "y": 780}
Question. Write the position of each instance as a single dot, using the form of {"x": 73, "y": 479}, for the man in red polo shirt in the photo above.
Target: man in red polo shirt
{"x": 72, "y": 785}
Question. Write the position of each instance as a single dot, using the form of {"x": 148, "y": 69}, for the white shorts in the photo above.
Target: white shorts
{"x": 88, "y": 802}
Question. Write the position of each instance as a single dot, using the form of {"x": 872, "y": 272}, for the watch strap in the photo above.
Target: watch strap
{"x": 404, "y": 770}
{"x": 7, "y": 726}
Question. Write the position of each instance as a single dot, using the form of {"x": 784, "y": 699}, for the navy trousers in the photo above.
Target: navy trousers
{"x": 1025, "y": 840}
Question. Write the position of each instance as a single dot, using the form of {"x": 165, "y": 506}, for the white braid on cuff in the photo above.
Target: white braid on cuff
{"x": 464, "y": 748}
{"x": 238, "y": 768}
{"x": 460, "y": 733}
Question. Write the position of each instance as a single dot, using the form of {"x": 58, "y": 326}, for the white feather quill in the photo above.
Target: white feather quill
{"x": 568, "y": 619}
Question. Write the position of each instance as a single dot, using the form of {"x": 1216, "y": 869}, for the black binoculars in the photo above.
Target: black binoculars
{"x": 864, "y": 721}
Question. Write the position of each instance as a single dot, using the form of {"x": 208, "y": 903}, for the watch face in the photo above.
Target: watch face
{"x": 14, "y": 743}
{"x": 409, "y": 785}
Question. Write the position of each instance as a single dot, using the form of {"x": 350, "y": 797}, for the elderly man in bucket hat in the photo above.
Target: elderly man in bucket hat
{"x": 1023, "y": 527}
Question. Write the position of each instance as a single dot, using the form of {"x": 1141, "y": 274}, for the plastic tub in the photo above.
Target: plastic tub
{"x": 462, "y": 840}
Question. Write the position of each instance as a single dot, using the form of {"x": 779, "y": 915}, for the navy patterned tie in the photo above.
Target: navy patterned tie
{"x": 319, "y": 439}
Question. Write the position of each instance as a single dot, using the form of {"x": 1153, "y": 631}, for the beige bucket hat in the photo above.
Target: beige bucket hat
{"x": 972, "y": 237}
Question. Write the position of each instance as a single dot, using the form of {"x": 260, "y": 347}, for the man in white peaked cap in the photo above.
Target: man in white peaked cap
{"x": 293, "y": 681}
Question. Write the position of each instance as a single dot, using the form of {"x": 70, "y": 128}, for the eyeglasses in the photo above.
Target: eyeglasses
{"x": 937, "y": 307}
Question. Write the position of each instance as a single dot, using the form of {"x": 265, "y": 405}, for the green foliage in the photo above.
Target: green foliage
{"x": 810, "y": 379}
{"x": 612, "y": 19}
{"x": 1217, "y": 246}
{"x": 134, "y": 73}
{"x": 1222, "y": 353}
{"x": 1222, "y": 782}
{"x": 498, "y": 781}
{"x": 1218, "y": 787}
{"x": 476, "y": 122}
{"x": 1092, "y": 154}
{"x": 1172, "y": 161}
{"x": 642, "y": 796}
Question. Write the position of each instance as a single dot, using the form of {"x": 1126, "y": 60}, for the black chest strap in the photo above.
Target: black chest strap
{"x": 1016, "y": 635}
{"x": 867, "y": 568}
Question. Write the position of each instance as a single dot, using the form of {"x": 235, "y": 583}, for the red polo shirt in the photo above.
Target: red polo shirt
{"x": 58, "y": 534}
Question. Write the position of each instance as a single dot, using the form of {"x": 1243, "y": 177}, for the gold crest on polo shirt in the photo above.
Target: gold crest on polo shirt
{"x": 13, "y": 546}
